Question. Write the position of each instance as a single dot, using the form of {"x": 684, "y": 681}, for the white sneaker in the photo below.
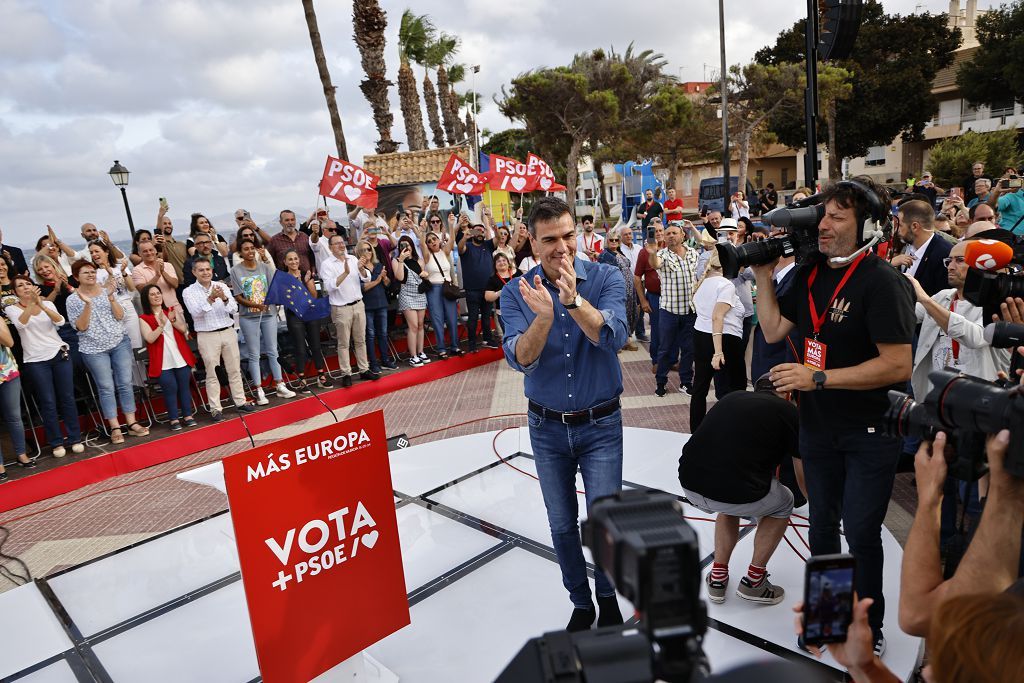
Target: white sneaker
{"x": 59, "y": 452}
{"x": 261, "y": 398}
{"x": 424, "y": 358}
{"x": 415, "y": 362}
{"x": 78, "y": 447}
{"x": 283, "y": 391}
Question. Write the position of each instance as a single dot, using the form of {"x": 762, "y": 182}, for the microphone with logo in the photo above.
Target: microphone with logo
{"x": 985, "y": 286}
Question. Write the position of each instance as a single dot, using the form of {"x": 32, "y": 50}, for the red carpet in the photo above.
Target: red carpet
{"x": 75, "y": 475}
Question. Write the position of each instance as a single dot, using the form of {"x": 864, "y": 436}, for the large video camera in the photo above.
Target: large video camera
{"x": 967, "y": 409}
{"x": 800, "y": 221}
{"x": 989, "y": 289}
{"x": 650, "y": 553}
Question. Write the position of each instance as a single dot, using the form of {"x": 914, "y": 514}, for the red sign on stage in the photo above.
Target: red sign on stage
{"x": 349, "y": 183}
{"x": 314, "y": 519}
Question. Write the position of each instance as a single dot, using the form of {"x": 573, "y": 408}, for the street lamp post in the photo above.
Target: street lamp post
{"x": 724, "y": 80}
{"x": 119, "y": 174}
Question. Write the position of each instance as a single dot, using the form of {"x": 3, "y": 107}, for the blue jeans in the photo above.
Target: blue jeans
{"x": 260, "y": 335}
{"x": 52, "y": 384}
{"x": 850, "y": 476}
{"x": 377, "y": 333}
{"x": 175, "y": 385}
{"x": 654, "y": 300}
{"x": 595, "y": 449}
{"x": 480, "y": 309}
{"x": 443, "y": 313}
{"x": 675, "y": 343}
{"x": 10, "y": 404}
{"x": 112, "y": 372}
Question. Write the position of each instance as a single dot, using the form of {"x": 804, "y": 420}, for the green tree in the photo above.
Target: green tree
{"x": 996, "y": 74}
{"x": 369, "y": 23}
{"x": 415, "y": 33}
{"x": 558, "y": 105}
{"x": 757, "y": 93}
{"x": 893, "y": 64}
{"x": 834, "y": 86}
{"x": 951, "y": 159}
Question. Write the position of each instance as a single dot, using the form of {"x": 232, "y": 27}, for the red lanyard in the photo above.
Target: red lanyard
{"x": 955, "y": 343}
{"x": 816, "y": 320}
{"x": 504, "y": 281}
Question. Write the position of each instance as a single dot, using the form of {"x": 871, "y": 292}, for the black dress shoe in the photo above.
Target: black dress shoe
{"x": 370, "y": 375}
{"x": 3, "y": 476}
{"x": 608, "y": 611}
{"x": 581, "y": 619}
{"x": 346, "y": 381}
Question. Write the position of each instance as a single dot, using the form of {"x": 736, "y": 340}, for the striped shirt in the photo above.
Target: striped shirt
{"x": 678, "y": 280}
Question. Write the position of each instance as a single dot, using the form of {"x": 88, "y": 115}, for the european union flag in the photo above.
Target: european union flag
{"x": 286, "y": 290}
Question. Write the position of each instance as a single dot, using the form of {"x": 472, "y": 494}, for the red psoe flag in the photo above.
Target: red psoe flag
{"x": 461, "y": 178}
{"x": 349, "y": 183}
{"x": 510, "y": 175}
{"x": 544, "y": 177}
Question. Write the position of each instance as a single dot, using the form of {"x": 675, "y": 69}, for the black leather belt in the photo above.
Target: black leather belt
{"x": 578, "y": 417}
{"x": 353, "y": 303}
{"x": 217, "y": 330}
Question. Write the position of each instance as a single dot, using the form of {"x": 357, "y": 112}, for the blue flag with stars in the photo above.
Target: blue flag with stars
{"x": 286, "y": 290}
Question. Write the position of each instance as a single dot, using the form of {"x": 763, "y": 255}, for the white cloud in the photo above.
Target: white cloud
{"x": 217, "y": 104}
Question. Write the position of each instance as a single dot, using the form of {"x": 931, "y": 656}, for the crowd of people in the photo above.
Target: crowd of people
{"x": 838, "y": 332}
{"x": 831, "y": 337}
{"x": 91, "y": 328}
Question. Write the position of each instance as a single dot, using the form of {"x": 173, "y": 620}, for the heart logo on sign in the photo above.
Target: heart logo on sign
{"x": 464, "y": 187}
{"x": 352, "y": 192}
{"x": 545, "y": 183}
{"x": 370, "y": 539}
{"x": 518, "y": 183}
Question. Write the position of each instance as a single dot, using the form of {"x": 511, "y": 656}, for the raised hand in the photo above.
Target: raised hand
{"x": 566, "y": 280}
{"x": 537, "y": 297}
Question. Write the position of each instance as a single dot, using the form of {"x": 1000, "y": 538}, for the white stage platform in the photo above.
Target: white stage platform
{"x": 478, "y": 564}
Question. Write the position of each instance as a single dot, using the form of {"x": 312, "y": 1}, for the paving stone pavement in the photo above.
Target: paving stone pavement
{"x": 97, "y": 519}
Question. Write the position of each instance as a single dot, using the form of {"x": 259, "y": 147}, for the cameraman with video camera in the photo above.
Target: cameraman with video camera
{"x": 856, "y": 314}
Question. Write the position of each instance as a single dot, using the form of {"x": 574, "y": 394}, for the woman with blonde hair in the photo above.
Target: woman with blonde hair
{"x": 717, "y": 338}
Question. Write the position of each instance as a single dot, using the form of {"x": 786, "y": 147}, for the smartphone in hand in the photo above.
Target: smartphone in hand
{"x": 828, "y": 598}
{"x": 163, "y": 203}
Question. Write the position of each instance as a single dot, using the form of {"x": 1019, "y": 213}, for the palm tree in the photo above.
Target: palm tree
{"x": 456, "y": 74}
{"x": 325, "y": 78}
{"x": 444, "y": 53}
{"x": 369, "y": 22}
{"x": 414, "y": 35}
{"x": 435, "y": 55}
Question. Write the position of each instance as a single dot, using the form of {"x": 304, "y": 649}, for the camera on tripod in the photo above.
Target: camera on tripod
{"x": 651, "y": 555}
{"x": 967, "y": 409}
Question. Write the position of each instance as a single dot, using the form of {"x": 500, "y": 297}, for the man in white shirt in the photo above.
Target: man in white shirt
{"x": 89, "y": 233}
{"x": 952, "y": 331}
{"x": 341, "y": 278}
{"x": 212, "y": 308}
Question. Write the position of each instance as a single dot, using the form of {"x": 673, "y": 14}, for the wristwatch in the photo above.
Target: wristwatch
{"x": 576, "y": 302}
{"x": 819, "y": 378}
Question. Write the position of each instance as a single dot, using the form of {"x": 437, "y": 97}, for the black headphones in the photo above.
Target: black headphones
{"x": 875, "y": 223}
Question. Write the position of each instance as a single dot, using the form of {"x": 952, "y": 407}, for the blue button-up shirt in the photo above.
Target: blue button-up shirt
{"x": 572, "y": 373}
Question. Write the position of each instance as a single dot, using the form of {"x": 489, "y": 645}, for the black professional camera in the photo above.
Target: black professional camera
{"x": 800, "y": 221}
{"x": 988, "y": 289}
{"x": 967, "y": 409}
{"x": 650, "y": 553}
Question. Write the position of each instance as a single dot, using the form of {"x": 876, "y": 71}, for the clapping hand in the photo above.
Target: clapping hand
{"x": 160, "y": 319}
{"x": 537, "y": 297}
{"x": 566, "y": 280}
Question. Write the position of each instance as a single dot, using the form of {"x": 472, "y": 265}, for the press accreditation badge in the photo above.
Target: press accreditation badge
{"x": 814, "y": 354}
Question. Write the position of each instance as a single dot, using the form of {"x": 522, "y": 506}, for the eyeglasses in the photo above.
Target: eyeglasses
{"x": 613, "y": 241}
{"x": 435, "y": 220}
{"x": 199, "y": 244}
{"x": 949, "y": 259}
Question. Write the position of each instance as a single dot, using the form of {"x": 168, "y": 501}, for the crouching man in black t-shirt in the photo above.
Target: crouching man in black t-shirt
{"x": 732, "y": 472}
{"x": 857, "y": 319}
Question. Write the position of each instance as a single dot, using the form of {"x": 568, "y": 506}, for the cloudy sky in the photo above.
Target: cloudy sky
{"x": 216, "y": 104}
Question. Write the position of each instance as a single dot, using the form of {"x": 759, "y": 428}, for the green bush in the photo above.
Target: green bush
{"x": 951, "y": 159}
